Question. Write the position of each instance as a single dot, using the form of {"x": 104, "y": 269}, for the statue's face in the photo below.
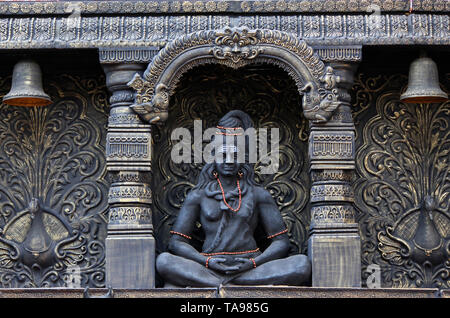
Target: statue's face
{"x": 226, "y": 161}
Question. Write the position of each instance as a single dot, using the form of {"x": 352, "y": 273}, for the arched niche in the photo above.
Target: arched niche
{"x": 236, "y": 47}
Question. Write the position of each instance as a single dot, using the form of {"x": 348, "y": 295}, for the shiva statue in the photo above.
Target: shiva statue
{"x": 229, "y": 205}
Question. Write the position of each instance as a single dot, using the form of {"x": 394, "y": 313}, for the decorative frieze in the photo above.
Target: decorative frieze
{"x": 332, "y": 192}
{"x": 155, "y": 31}
{"x": 332, "y": 145}
{"x": 331, "y": 175}
{"x": 125, "y": 177}
{"x": 218, "y": 6}
{"x": 128, "y": 146}
{"x": 128, "y": 149}
{"x": 130, "y": 215}
{"x": 332, "y": 214}
{"x": 123, "y": 117}
{"x": 130, "y": 194}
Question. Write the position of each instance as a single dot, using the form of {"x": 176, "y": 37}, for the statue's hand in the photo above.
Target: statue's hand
{"x": 217, "y": 264}
{"x": 244, "y": 264}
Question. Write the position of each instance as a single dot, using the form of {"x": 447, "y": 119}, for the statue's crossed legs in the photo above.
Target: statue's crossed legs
{"x": 175, "y": 270}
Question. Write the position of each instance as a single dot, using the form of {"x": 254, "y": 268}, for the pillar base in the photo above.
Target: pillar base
{"x": 130, "y": 261}
{"x": 335, "y": 255}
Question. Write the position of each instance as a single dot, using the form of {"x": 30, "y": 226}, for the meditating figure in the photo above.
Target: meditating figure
{"x": 229, "y": 205}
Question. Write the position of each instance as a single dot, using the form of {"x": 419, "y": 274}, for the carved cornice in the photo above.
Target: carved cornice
{"x": 116, "y": 31}
{"x": 217, "y": 6}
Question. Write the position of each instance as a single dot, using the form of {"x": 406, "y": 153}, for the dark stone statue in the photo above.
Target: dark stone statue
{"x": 229, "y": 205}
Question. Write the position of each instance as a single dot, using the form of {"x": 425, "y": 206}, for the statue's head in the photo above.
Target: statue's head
{"x": 231, "y": 155}
{"x": 231, "y": 151}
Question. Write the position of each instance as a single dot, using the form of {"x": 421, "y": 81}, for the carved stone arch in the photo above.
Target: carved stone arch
{"x": 236, "y": 47}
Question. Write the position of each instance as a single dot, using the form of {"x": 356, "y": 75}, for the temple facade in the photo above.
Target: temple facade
{"x": 88, "y": 189}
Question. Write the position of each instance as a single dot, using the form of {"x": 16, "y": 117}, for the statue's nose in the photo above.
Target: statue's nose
{"x": 229, "y": 157}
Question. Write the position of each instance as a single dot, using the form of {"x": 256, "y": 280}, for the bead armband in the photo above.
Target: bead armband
{"x": 276, "y": 234}
{"x": 207, "y": 261}
{"x": 253, "y": 261}
{"x": 181, "y": 234}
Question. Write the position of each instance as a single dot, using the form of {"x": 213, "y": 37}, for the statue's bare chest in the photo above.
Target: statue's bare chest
{"x": 212, "y": 209}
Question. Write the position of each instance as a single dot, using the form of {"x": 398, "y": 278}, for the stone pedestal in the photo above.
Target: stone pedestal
{"x": 130, "y": 244}
{"x": 334, "y": 246}
{"x": 336, "y": 256}
{"x": 130, "y": 258}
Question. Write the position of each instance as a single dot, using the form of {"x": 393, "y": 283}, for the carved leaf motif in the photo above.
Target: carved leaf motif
{"x": 391, "y": 247}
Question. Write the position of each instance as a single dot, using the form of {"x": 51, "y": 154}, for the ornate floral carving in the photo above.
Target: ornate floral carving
{"x": 235, "y": 45}
{"x": 403, "y": 185}
{"x": 55, "y": 154}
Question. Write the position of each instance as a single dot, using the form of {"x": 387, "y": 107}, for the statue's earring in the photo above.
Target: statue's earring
{"x": 240, "y": 174}
{"x": 215, "y": 174}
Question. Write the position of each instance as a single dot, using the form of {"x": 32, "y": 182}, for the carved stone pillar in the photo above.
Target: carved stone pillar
{"x": 130, "y": 244}
{"x": 334, "y": 246}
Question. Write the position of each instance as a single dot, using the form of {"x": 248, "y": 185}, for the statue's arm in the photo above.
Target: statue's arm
{"x": 274, "y": 226}
{"x": 179, "y": 243}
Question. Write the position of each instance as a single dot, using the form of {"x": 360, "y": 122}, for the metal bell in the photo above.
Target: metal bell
{"x": 423, "y": 83}
{"x": 26, "y": 86}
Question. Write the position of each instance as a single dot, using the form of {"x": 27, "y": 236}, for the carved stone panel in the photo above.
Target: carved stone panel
{"x": 55, "y": 154}
{"x": 403, "y": 184}
{"x": 271, "y": 98}
{"x": 125, "y": 150}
